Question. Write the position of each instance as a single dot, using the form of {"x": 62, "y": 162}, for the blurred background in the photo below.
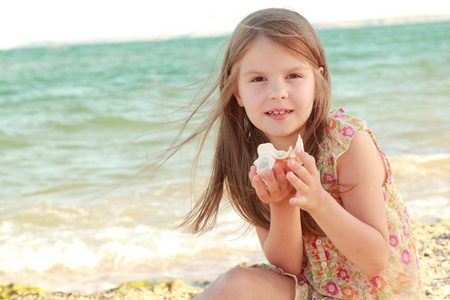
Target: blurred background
{"x": 90, "y": 93}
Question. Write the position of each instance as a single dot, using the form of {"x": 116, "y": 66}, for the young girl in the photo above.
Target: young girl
{"x": 332, "y": 226}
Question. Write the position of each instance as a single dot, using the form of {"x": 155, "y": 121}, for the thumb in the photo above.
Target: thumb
{"x": 297, "y": 201}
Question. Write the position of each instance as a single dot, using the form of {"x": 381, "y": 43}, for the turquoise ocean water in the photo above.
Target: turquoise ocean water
{"x": 79, "y": 122}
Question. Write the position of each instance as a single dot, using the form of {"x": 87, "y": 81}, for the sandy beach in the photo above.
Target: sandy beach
{"x": 432, "y": 244}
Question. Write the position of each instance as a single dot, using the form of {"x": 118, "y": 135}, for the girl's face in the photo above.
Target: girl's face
{"x": 277, "y": 91}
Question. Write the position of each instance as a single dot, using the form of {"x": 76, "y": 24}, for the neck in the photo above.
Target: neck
{"x": 284, "y": 143}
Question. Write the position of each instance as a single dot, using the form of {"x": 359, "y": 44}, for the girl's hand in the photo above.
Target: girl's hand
{"x": 306, "y": 181}
{"x": 278, "y": 188}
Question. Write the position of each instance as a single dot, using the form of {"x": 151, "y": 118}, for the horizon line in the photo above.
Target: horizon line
{"x": 326, "y": 25}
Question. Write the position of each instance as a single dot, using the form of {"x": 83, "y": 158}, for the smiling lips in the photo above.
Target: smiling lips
{"x": 278, "y": 112}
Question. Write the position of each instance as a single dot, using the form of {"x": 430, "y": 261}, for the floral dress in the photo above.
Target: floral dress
{"x": 326, "y": 272}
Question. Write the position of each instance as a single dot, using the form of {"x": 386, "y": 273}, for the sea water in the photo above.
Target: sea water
{"x": 82, "y": 206}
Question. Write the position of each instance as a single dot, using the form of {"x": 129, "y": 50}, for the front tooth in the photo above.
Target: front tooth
{"x": 279, "y": 112}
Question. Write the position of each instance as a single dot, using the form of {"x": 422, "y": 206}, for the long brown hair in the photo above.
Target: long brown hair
{"x": 237, "y": 138}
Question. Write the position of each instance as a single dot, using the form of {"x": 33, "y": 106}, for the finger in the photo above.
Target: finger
{"x": 297, "y": 183}
{"x": 253, "y": 169}
{"x": 308, "y": 161}
{"x": 272, "y": 183}
{"x": 261, "y": 189}
{"x": 280, "y": 176}
{"x": 300, "y": 171}
{"x": 252, "y": 174}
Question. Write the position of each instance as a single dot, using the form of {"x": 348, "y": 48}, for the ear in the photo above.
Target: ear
{"x": 238, "y": 98}
{"x": 321, "y": 70}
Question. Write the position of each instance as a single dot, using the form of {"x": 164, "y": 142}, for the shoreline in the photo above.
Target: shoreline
{"x": 319, "y": 25}
{"x": 432, "y": 242}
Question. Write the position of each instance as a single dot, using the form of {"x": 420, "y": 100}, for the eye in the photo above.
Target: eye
{"x": 257, "y": 79}
{"x": 294, "y": 76}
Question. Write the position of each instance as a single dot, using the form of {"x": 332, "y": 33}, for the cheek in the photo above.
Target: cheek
{"x": 253, "y": 114}
{"x": 307, "y": 93}
{"x": 250, "y": 99}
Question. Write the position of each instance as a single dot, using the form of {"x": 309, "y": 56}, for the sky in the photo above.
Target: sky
{"x": 27, "y": 21}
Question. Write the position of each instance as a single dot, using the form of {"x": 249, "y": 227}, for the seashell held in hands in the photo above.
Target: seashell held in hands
{"x": 268, "y": 155}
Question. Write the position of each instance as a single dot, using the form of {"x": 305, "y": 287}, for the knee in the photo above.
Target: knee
{"x": 237, "y": 283}
{"x": 238, "y": 280}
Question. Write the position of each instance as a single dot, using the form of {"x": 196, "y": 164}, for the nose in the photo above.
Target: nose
{"x": 278, "y": 90}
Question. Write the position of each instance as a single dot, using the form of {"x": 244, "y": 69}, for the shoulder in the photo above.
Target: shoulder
{"x": 361, "y": 155}
{"x": 358, "y": 154}
{"x": 340, "y": 131}
{"x": 343, "y": 126}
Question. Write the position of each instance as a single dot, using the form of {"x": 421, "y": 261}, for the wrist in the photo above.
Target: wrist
{"x": 322, "y": 210}
{"x": 282, "y": 205}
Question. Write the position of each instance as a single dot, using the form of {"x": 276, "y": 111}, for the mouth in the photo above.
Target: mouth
{"x": 278, "y": 112}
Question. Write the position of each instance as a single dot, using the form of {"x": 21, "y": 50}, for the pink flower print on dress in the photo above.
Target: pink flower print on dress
{"x": 393, "y": 240}
{"x": 327, "y": 254}
{"x": 406, "y": 257}
{"x": 332, "y": 288}
{"x": 376, "y": 280}
{"x": 341, "y": 115}
{"x": 343, "y": 274}
{"x": 379, "y": 282}
{"x": 348, "y": 131}
{"x": 302, "y": 280}
{"x": 327, "y": 177}
{"x": 405, "y": 230}
{"x": 405, "y": 213}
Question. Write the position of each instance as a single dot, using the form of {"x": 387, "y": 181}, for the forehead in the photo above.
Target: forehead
{"x": 263, "y": 52}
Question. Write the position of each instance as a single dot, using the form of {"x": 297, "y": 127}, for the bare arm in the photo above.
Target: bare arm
{"x": 359, "y": 230}
{"x": 282, "y": 243}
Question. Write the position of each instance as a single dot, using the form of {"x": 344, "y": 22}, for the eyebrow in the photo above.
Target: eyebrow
{"x": 298, "y": 67}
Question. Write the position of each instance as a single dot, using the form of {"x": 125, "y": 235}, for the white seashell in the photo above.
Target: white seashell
{"x": 298, "y": 145}
{"x": 281, "y": 154}
{"x": 268, "y": 155}
{"x": 264, "y": 163}
{"x": 266, "y": 149}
